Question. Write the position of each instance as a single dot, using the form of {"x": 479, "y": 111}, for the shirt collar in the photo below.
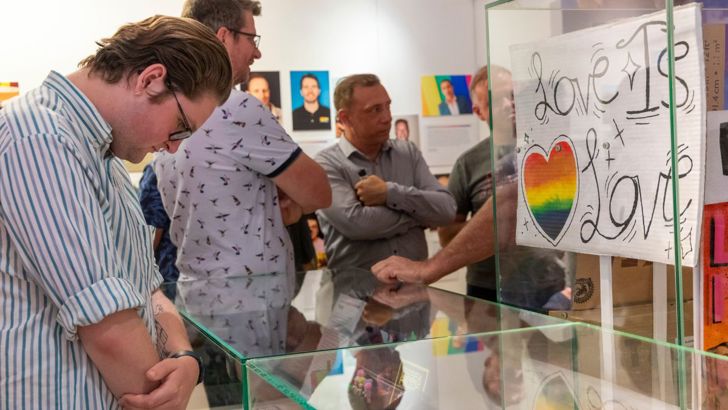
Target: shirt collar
{"x": 348, "y": 148}
{"x": 99, "y": 131}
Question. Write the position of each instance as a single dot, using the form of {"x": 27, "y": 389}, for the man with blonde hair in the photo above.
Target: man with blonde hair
{"x": 384, "y": 194}
{"x": 82, "y": 321}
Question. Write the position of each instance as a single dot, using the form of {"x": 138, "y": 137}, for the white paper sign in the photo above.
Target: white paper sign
{"x": 444, "y": 143}
{"x": 593, "y": 138}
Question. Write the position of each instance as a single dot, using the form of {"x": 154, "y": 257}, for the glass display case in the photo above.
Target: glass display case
{"x": 607, "y": 151}
{"x": 598, "y": 127}
{"x": 224, "y": 377}
{"x": 269, "y": 315}
{"x": 550, "y": 367}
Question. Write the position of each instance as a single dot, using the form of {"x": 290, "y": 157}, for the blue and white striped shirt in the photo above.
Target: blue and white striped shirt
{"x": 74, "y": 247}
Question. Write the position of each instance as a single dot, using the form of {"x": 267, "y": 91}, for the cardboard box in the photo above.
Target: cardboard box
{"x": 714, "y": 52}
{"x": 631, "y": 282}
{"x": 647, "y": 369}
{"x": 635, "y": 319}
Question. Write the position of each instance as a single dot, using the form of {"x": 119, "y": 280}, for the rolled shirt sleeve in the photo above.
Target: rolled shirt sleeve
{"x": 49, "y": 205}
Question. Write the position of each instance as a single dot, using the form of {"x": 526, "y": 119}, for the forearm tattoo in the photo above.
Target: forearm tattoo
{"x": 162, "y": 336}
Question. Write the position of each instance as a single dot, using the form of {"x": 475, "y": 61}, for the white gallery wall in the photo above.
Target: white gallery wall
{"x": 400, "y": 40}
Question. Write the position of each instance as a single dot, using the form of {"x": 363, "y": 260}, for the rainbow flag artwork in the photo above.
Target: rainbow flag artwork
{"x": 8, "y": 90}
{"x": 550, "y": 184}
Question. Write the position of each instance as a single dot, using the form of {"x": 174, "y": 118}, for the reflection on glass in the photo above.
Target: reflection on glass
{"x": 551, "y": 367}
{"x": 264, "y": 315}
{"x": 593, "y": 75}
{"x": 261, "y": 315}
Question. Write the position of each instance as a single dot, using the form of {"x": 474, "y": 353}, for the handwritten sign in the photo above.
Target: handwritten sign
{"x": 593, "y": 138}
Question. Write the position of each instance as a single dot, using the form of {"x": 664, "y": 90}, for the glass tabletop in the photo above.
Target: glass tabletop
{"x": 234, "y": 319}
{"x": 266, "y": 315}
{"x": 561, "y": 366}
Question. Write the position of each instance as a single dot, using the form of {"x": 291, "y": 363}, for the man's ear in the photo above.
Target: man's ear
{"x": 343, "y": 116}
{"x": 151, "y": 81}
{"x": 222, "y": 34}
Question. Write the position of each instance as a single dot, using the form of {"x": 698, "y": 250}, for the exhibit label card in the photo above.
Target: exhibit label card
{"x": 593, "y": 138}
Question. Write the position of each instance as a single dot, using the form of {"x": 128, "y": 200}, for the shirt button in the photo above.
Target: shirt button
{"x": 395, "y": 251}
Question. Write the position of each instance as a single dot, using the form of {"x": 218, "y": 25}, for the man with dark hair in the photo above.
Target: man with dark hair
{"x": 90, "y": 324}
{"x": 312, "y": 115}
{"x": 384, "y": 193}
{"x": 452, "y": 105}
{"x": 230, "y": 191}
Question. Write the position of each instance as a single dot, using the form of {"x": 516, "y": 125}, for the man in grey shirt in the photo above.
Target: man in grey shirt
{"x": 471, "y": 181}
{"x": 384, "y": 195}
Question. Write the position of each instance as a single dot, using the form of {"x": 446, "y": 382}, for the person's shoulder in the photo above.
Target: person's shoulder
{"x": 20, "y": 122}
{"x": 478, "y": 151}
{"x": 405, "y": 147}
{"x": 239, "y": 103}
{"x": 241, "y": 112}
{"x": 329, "y": 150}
{"x": 236, "y": 98}
{"x": 329, "y": 154}
{"x": 17, "y": 113}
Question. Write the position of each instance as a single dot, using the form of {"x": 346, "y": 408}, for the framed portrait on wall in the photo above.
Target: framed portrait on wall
{"x": 406, "y": 127}
{"x": 266, "y": 86}
{"x": 446, "y": 95}
{"x": 310, "y": 100}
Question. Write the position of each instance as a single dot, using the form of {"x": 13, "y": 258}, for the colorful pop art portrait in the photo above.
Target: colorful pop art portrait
{"x": 446, "y": 95}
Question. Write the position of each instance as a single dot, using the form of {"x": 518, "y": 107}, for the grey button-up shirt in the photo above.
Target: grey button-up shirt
{"x": 360, "y": 236}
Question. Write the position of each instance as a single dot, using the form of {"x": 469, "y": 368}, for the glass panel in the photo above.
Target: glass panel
{"x": 258, "y": 316}
{"x": 581, "y": 128}
{"x": 224, "y": 379}
{"x": 714, "y": 266}
{"x": 266, "y": 392}
{"x": 268, "y": 315}
{"x": 550, "y": 367}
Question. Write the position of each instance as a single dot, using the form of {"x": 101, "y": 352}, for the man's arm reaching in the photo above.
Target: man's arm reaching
{"x": 474, "y": 243}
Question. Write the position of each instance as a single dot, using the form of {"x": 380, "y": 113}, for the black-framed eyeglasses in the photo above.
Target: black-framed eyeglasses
{"x": 187, "y": 131}
{"x": 254, "y": 37}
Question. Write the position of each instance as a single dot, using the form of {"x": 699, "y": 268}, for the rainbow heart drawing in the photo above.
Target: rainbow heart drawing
{"x": 550, "y": 186}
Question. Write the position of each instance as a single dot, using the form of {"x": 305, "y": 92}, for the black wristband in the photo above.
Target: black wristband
{"x": 182, "y": 353}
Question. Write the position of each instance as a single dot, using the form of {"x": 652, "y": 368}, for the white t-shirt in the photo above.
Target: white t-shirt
{"x": 220, "y": 198}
